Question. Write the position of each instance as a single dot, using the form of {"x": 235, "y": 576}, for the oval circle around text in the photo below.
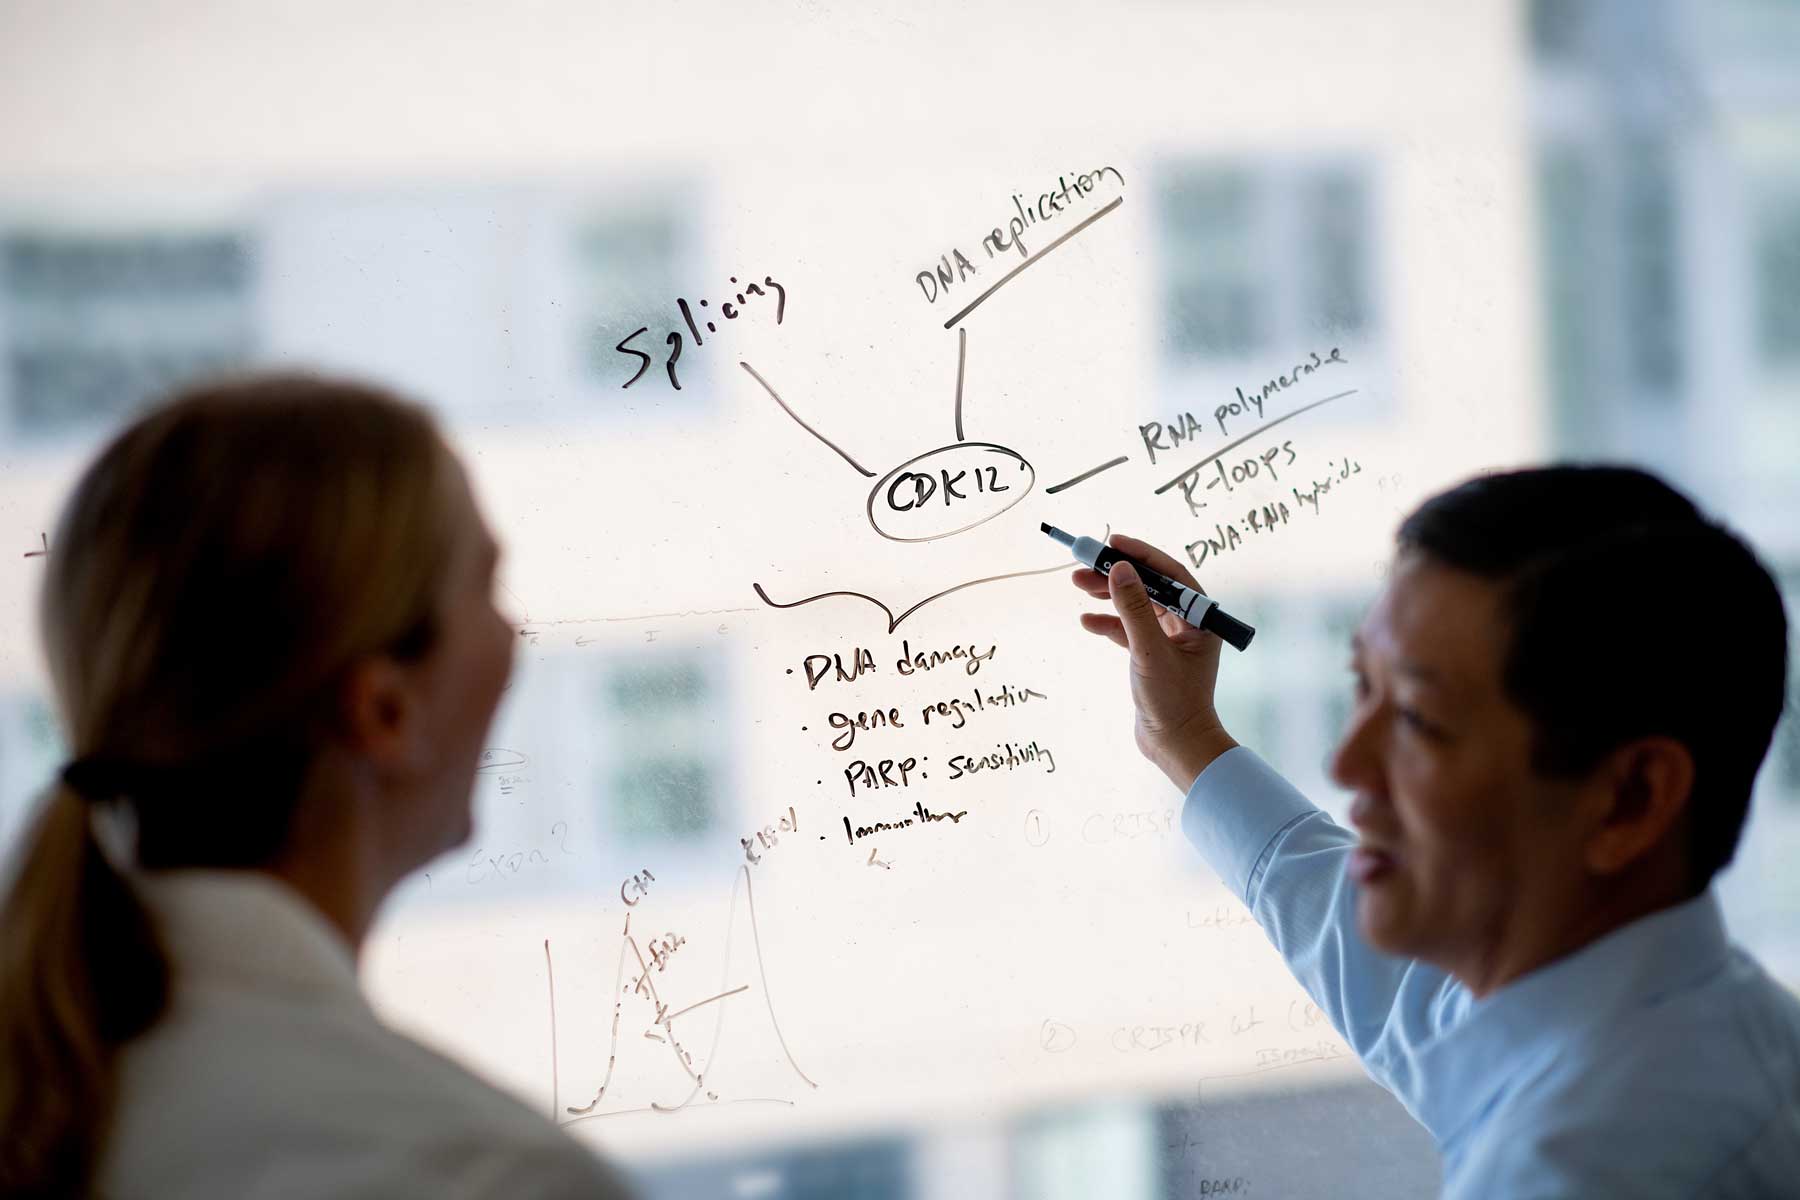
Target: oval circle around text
{"x": 948, "y": 490}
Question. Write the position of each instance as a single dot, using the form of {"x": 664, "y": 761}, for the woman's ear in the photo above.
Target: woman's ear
{"x": 378, "y": 712}
{"x": 1651, "y": 782}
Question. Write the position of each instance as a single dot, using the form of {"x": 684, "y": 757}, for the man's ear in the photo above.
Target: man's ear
{"x": 1650, "y": 782}
{"x": 377, "y": 713}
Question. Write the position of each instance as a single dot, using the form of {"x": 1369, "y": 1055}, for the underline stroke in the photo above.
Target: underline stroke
{"x": 1085, "y": 475}
{"x": 1257, "y": 432}
{"x": 1038, "y": 257}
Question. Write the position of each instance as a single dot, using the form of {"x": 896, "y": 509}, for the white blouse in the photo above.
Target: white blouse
{"x": 270, "y": 1077}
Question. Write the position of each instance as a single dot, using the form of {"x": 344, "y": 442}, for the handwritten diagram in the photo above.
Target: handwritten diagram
{"x": 954, "y": 488}
{"x": 964, "y": 484}
{"x": 938, "y": 494}
{"x": 649, "y": 1025}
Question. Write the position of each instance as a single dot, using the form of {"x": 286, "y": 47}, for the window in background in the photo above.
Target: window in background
{"x": 1766, "y": 406}
{"x": 496, "y": 301}
{"x": 98, "y": 323}
{"x": 1775, "y": 259}
{"x": 1649, "y": 279}
{"x": 1262, "y": 259}
{"x": 1565, "y": 188}
{"x": 31, "y": 748}
{"x": 1217, "y": 298}
{"x": 1292, "y": 704}
{"x": 1237, "y": 1140}
{"x": 866, "y": 1170}
{"x": 1556, "y": 28}
{"x": 1763, "y": 32}
{"x": 627, "y": 271}
{"x": 602, "y": 761}
{"x": 1335, "y": 289}
{"x": 1248, "y": 695}
{"x": 1615, "y": 324}
{"x": 1262, "y": 263}
{"x": 663, "y": 780}
{"x": 1104, "y": 1147}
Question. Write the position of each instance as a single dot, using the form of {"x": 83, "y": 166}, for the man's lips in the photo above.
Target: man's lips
{"x": 1369, "y": 864}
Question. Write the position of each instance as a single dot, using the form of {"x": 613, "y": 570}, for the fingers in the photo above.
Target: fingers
{"x": 1115, "y": 629}
{"x": 1144, "y": 634}
{"x": 1094, "y": 583}
{"x": 1090, "y": 581}
{"x": 1107, "y": 627}
{"x": 1155, "y": 559}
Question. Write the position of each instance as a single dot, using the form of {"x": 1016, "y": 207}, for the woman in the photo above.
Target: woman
{"x": 269, "y": 622}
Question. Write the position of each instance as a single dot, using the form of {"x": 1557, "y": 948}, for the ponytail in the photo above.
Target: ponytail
{"x": 82, "y": 971}
{"x": 220, "y": 564}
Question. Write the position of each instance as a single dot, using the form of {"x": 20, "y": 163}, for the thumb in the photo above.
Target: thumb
{"x": 1143, "y": 632}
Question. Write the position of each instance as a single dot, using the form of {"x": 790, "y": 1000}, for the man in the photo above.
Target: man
{"x": 1563, "y": 695}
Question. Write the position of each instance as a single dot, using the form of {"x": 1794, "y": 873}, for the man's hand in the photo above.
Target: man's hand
{"x": 1174, "y": 666}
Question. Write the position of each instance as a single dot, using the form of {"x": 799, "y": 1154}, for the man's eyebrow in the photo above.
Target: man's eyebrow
{"x": 1424, "y": 674}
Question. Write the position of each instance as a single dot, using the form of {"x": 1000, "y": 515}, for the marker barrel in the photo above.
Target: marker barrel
{"x": 1190, "y": 604}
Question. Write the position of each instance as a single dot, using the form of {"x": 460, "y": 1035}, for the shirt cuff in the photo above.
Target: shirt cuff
{"x": 1234, "y": 810}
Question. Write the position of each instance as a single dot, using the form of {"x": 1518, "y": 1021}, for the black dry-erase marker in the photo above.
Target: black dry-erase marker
{"x": 1194, "y": 607}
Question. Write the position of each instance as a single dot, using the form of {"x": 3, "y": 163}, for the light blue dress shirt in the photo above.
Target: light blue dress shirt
{"x": 1658, "y": 1060}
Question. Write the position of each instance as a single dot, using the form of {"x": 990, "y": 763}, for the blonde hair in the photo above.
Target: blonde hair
{"x": 218, "y": 567}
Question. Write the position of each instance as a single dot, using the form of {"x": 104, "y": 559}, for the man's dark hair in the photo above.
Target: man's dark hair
{"x": 1631, "y": 614}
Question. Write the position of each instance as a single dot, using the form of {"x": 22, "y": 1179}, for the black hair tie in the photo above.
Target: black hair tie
{"x": 100, "y": 779}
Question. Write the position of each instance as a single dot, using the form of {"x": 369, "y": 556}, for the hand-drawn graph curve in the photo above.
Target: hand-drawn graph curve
{"x": 695, "y": 1071}
{"x": 947, "y": 490}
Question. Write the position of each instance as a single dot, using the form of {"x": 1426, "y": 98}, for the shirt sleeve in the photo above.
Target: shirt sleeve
{"x": 1285, "y": 858}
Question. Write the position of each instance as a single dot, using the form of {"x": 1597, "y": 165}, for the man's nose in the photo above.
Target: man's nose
{"x": 1334, "y": 763}
{"x": 1353, "y": 758}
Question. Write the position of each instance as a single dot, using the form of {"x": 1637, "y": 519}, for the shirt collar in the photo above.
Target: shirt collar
{"x": 246, "y": 928}
{"x": 1507, "y": 1033}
